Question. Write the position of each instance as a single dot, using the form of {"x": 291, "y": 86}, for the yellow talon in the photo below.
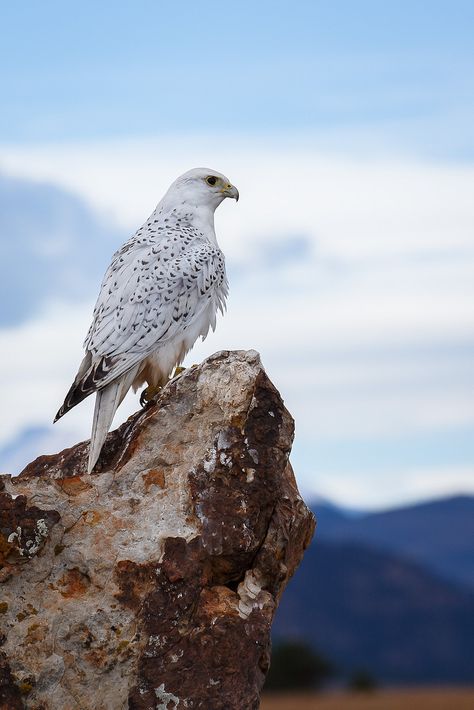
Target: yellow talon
{"x": 148, "y": 394}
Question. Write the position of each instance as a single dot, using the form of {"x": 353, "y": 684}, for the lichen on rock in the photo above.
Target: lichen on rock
{"x": 153, "y": 582}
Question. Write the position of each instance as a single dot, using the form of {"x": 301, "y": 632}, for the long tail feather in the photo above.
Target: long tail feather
{"x": 106, "y": 403}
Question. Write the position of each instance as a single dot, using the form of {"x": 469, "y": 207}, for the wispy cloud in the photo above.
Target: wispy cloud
{"x": 400, "y": 486}
{"x": 353, "y": 278}
{"x": 53, "y": 246}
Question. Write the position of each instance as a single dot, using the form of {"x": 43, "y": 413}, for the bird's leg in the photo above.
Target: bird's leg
{"x": 149, "y": 393}
{"x": 179, "y": 371}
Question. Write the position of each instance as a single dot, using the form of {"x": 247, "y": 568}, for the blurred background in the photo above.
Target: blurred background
{"x": 348, "y": 128}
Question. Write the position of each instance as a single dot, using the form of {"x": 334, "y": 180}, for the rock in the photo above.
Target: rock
{"x": 153, "y": 582}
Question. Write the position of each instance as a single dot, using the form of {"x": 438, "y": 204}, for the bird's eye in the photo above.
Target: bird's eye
{"x": 211, "y": 179}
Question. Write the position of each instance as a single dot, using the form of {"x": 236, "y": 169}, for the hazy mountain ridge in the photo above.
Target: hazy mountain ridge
{"x": 390, "y": 592}
{"x": 364, "y": 608}
{"x": 438, "y": 534}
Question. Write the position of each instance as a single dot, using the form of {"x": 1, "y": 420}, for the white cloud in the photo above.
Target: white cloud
{"x": 339, "y": 377}
{"x": 364, "y": 334}
{"x": 37, "y": 360}
{"x": 399, "y": 487}
{"x": 354, "y": 208}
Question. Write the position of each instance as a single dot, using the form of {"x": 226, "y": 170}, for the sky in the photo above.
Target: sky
{"x": 349, "y": 130}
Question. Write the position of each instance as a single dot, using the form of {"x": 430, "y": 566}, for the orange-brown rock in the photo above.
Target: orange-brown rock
{"x": 153, "y": 582}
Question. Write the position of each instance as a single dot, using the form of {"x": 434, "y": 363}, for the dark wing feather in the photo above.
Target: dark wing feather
{"x": 85, "y": 383}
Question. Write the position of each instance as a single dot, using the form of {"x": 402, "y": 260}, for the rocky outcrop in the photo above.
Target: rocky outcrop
{"x": 153, "y": 582}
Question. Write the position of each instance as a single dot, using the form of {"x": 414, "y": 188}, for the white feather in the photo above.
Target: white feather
{"x": 160, "y": 293}
{"x": 106, "y": 403}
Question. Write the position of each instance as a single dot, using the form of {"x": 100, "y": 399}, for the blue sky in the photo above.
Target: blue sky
{"x": 348, "y": 126}
{"x": 399, "y": 74}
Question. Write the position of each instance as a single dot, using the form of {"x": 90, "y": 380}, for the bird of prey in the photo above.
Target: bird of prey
{"x": 160, "y": 293}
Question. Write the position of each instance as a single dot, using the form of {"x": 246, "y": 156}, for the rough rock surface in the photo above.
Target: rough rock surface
{"x": 153, "y": 582}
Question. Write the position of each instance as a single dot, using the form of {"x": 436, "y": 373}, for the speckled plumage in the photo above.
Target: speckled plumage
{"x": 160, "y": 293}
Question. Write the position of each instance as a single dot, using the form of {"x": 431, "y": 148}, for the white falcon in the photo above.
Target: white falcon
{"x": 160, "y": 293}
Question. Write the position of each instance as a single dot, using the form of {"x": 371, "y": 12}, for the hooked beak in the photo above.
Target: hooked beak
{"x": 231, "y": 191}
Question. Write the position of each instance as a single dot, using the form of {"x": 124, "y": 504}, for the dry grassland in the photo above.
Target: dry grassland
{"x": 417, "y": 699}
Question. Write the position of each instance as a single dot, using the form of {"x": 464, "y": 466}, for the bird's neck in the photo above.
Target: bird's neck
{"x": 201, "y": 217}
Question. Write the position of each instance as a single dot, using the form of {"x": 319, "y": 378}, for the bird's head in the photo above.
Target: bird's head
{"x": 201, "y": 187}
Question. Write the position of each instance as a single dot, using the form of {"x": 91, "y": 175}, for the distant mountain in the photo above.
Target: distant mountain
{"x": 367, "y": 609}
{"x": 438, "y": 534}
{"x": 53, "y": 246}
{"x": 329, "y": 515}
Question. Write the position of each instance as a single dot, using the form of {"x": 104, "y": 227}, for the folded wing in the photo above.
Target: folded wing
{"x": 146, "y": 298}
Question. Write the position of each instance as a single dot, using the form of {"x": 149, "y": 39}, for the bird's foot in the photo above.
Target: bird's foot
{"x": 179, "y": 371}
{"x": 148, "y": 394}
